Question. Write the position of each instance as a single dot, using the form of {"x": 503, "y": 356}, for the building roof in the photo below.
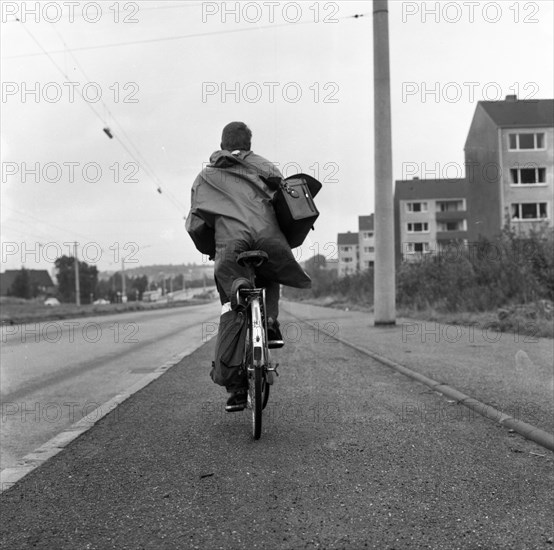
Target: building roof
{"x": 513, "y": 112}
{"x": 38, "y": 277}
{"x": 347, "y": 238}
{"x": 430, "y": 189}
{"x": 365, "y": 223}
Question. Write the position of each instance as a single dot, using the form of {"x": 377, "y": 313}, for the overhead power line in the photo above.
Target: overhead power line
{"x": 45, "y": 237}
{"x": 56, "y": 227}
{"x": 182, "y": 4}
{"x": 61, "y": 71}
{"x": 183, "y": 36}
{"x": 135, "y": 154}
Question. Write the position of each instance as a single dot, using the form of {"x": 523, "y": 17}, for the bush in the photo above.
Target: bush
{"x": 484, "y": 276}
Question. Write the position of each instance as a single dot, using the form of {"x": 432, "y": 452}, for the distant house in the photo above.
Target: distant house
{"x": 39, "y": 278}
{"x": 430, "y": 215}
{"x": 509, "y": 167}
{"x": 357, "y": 250}
{"x": 349, "y": 254}
{"x": 366, "y": 241}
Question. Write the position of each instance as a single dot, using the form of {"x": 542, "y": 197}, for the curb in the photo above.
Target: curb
{"x": 537, "y": 435}
{"x": 36, "y": 458}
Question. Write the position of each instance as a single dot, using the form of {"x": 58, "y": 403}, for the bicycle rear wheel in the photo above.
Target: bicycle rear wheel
{"x": 257, "y": 359}
{"x": 255, "y": 391}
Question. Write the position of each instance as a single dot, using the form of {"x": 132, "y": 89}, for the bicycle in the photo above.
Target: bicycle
{"x": 257, "y": 360}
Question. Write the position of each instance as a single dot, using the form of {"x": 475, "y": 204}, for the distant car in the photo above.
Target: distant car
{"x": 100, "y": 302}
{"x": 51, "y": 302}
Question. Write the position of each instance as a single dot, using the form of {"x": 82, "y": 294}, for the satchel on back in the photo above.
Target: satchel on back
{"x": 295, "y": 208}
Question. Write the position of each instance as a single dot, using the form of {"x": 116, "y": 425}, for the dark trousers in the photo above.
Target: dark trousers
{"x": 227, "y": 270}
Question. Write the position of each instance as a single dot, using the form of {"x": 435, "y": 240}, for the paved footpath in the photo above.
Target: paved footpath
{"x": 513, "y": 372}
{"x": 346, "y": 461}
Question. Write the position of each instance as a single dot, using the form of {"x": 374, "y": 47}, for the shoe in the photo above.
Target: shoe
{"x": 237, "y": 401}
{"x": 274, "y": 336}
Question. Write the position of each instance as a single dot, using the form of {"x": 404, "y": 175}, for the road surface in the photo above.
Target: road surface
{"x": 344, "y": 462}
{"x": 56, "y": 372}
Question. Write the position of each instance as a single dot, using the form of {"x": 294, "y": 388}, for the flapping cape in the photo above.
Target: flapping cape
{"x": 231, "y": 201}
{"x": 230, "y": 187}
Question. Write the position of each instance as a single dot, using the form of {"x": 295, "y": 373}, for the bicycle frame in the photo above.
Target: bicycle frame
{"x": 256, "y": 359}
{"x": 256, "y": 356}
{"x": 257, "y": 326}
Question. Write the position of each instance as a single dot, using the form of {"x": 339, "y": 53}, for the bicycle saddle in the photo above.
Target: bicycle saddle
{"x": 254, "y": 258}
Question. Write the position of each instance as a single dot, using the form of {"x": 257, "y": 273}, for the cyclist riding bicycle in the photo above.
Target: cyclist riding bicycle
{"x": 231, "y": 212}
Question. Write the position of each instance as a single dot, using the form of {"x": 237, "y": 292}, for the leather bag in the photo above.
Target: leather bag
{"x": 295, "y": 207}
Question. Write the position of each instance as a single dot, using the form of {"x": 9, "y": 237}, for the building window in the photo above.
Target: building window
{"x": 367, "y": 234}
{"x": 345, "y": 248}
{"x": 528, "y": 176}
{"x": 416, "y": 207}
{"x": 415, "y": 248}
{"x": 369, "y": 249}
{"x": 458, "y": 225}
{"x": 347, "y": 260}
{"x": 418, "y": 227}
{"x": 529, "y": 211}
{"x": 526, "y": 141}
{"x": 450, "y": 206}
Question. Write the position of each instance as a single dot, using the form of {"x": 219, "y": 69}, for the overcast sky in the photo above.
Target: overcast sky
{"x": 171, "y": 74}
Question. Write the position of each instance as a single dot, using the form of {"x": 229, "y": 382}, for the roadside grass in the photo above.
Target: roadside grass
{"x": 534, "y": 320}
{"x": 14, "y": 311}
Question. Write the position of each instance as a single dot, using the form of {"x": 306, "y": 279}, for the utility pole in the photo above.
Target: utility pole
{"x": 385, "y": 291}
{"x": 77, "y": 287}
{"x": 123, "y": 291}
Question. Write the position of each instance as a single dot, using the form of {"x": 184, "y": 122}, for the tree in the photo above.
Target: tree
{"x": 315, "y": 263}
{"x": 138, "y": 284}
{"x": 65, "y": 273}
{"x": 21, "y": 286}
{"x": 103, "y": 289}
{"x": 179, "y": 282}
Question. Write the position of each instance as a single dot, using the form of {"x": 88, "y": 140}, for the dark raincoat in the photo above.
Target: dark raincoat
{"x": 231, "y": 212}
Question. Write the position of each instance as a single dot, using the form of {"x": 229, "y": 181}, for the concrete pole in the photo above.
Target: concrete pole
{"x": 123, "y": 289}
{"x": 385, "y": 291}
{"x": 77, "y": 286}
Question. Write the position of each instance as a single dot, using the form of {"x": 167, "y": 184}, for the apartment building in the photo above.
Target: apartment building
{"x": 349, "y": 253}
{"x": 509, "y": 155}
{"x": 357, "y": 250}
{"x": 430, "y": 215}
{"x": 366, "y": 241}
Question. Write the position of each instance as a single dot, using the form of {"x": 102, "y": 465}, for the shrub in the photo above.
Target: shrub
{"x": 489, "y": 274}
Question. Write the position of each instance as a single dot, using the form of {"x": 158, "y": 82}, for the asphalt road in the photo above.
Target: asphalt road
{"x": 342, "y": 463}
{"x": 54, "y": 373}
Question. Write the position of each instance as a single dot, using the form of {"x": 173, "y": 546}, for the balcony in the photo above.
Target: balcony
{"x": 451, "y": 215}
{"x": 447, "y": 236}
